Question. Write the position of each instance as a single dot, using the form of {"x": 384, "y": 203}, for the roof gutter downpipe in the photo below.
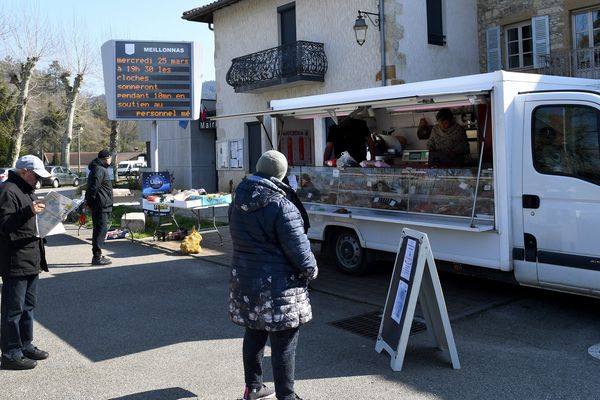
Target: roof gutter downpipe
{"x": 382, "y": 40}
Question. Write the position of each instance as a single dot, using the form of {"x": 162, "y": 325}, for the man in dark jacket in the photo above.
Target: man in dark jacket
{"x": 23, "y": 258}
{"x": 99, "y": 198}
{"x": 271, "y": 267}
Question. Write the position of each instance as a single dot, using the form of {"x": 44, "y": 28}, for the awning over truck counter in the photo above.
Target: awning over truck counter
{"x": 419, "y": 102}
{"x": 241, "y": 115}
{"x": 377, "y": 96}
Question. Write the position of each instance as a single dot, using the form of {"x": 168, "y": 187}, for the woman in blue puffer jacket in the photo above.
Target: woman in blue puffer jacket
{"x": 272, "y": 265}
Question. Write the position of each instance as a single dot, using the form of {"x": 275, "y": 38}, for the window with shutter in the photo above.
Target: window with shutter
{"x": 519, "y": 45}
{"x": 586, "y": 41}
{"x": 541, "y": 40}
{"x": 287, "y": 23}
{"x": 586, "y": 29}
{"x": 493, "y": 49}
{"x": 287, "y": 37}
{"x": 435, "y": 29}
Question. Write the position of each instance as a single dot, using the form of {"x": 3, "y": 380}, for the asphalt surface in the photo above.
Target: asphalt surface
{"x": 154, "y": 325}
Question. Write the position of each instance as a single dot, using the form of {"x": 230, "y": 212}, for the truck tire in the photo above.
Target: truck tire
{"x": 349, "y": 255}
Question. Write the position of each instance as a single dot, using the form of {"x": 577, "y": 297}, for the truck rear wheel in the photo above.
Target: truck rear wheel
{"x": 348, "y": 254}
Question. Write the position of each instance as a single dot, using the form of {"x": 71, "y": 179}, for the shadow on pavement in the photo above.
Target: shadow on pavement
{"x": 106, "y": 313}
{"x": 174, "y": 393}
{"x": 111, "y": 312}
{"x": 116, "y": 247}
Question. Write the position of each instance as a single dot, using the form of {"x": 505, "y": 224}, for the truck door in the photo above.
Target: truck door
{"x": 561, "y": 188}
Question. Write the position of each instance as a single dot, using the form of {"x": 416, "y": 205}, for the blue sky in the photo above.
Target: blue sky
{"x": 130, "y": 19}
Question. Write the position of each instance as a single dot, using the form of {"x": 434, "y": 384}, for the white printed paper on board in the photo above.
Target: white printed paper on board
{"x": 399, "y": 302}
{"x": 408, "y": 259}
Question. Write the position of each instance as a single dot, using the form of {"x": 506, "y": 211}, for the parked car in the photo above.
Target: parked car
{"x": 60, "y": 176}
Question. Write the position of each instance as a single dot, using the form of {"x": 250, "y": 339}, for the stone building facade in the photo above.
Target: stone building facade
{"x": 566, "y": 20}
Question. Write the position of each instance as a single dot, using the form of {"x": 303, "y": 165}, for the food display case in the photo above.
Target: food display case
{"x": 456, "y": 192}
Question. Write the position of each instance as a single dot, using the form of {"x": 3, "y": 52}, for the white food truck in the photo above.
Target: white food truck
{"x": 524, "y": 203}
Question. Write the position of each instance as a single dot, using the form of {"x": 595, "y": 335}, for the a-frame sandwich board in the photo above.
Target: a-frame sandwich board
{"x": 414, "y": 277}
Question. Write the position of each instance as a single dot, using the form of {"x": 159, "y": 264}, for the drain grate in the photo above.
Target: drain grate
{"x": 367, "y": 325}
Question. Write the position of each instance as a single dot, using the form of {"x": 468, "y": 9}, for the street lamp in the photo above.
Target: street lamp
{"x": 360, "y": 32}
{"x": 360, "y": 25}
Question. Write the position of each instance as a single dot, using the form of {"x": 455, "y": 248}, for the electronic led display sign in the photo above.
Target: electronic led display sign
{"x": 150, "y": 80}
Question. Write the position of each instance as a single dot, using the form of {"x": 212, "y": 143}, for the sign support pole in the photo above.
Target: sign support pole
{"x": 155, "y": 157}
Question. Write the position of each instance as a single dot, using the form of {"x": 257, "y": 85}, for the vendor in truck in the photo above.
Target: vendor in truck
{"x": 307, "y": 190}
{"x": 448, "y": 144}
{"x": 351, "y": 135}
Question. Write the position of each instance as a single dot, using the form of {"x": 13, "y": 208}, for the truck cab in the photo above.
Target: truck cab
{"x": 556, "y": 185}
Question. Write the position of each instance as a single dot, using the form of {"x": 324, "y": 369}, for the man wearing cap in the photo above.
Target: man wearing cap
{"x": 271, "y": 267}
{"x": 99, "y": 198}
{"x": 23, "y": 258}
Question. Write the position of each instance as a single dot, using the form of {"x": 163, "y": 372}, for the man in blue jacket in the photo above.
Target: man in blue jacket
{"x": 99, "y": 198}
{"x": 23, "y": 258}
{"x": 271, "y": 267}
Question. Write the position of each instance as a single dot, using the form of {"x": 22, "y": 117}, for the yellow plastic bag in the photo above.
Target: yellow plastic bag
{"x": 191, "y": 243}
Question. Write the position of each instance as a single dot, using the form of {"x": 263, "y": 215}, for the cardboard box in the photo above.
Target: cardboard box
{"x": 187, "y": 204}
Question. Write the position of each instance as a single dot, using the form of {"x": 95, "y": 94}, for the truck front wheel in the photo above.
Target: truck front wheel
{"x": 349, "y": 255}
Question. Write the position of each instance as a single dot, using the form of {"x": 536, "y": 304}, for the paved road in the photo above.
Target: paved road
{"x": 154, "y": 326}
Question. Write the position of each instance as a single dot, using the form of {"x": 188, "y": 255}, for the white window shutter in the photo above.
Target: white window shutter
{"x": 492, "y": 39}
{"x": 540, "y": 28}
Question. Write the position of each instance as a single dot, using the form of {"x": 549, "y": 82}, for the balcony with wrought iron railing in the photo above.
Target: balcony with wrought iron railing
{"x": 580, "y": 63}
{"x": 298, "y": 62}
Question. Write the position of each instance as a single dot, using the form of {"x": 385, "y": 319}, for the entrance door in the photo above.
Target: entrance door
{"x": 254, "y": 144}
{"x": 204, "y": 163}
{"x": 561, "y": 189}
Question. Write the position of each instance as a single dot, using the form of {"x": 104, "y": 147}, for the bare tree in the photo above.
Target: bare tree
{"x": 4, "y": 26}
{"x": 28, "y": 39}
{"x": 79, "y": 60}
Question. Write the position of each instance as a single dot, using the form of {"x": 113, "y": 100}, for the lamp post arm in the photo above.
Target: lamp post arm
{"x": 368, "y": 14}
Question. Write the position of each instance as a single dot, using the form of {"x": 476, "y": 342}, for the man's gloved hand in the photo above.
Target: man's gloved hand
{"x": 310, "y": 273}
